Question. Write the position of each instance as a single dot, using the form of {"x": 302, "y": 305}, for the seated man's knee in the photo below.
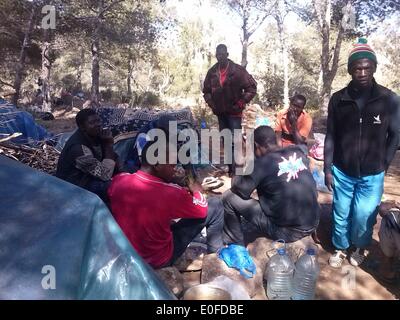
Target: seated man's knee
{"x": 214, "y": 202}
{"x": 227, "y": 197}
{"x": 215, "y": 208}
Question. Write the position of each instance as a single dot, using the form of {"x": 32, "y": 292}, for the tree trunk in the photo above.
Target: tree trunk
{"x": 246, "y": 35}
{"x": 320, "y": 82}
{"x": 45, "y": 75}
{"x": 129, "y": 76}
{"x": 285, "y": 75}
{"x": 245, "y": 44}
{"x": 79, "y": 70}
{"x": 325, "y": 18}
{"x": 21, "y": 62}
{"x": 95, "y": 65}
{"x": 329, "y": 60}
{"x": 279, "y": 17}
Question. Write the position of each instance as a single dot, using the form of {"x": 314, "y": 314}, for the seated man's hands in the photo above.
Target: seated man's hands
{"x": 194, "y": 186}
{"x": 291, "y": 116}
{"x": 106, "y": 137}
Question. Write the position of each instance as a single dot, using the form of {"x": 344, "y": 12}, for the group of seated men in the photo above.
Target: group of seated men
{"x": 146, "y": 204}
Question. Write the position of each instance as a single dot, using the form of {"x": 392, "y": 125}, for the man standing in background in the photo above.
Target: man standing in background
{"x": 227, "y": 88}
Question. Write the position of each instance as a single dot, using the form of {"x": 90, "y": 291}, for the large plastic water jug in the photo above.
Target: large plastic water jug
{"x": 279, "y": 274}
{"x": 305, "y": 276}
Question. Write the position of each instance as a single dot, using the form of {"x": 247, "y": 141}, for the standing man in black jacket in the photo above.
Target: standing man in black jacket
{"x": 361, "y": 141}
{"x": 287, "y": 207}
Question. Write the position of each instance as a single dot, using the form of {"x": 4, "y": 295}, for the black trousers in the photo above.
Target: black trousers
{"x": 236, "y": 207}
{"x": 185, "y": 230}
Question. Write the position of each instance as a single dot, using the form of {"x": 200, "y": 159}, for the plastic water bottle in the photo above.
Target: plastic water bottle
{"x": 305, "y": 276}
{"x": 280, "y": 276}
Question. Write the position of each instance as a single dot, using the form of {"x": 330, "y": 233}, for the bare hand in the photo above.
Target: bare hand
{"x": 236, "y": 108}
{"x": 106, "y": 137}
{"x": 194, "y": 186}
{"x": 292, "y": 118}
{"x": 329, "y": 181}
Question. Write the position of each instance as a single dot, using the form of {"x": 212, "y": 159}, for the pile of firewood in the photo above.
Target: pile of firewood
{"x": 42, "y": 156}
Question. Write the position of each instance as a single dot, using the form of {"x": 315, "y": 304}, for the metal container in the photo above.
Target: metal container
{"x": 206, "y": 292}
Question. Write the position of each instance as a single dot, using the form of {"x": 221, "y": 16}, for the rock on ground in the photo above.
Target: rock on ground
{"x": 172, "y": 279}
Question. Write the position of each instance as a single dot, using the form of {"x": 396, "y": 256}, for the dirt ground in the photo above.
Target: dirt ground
{"x": 351, "y": 283}
{"x": 64, "y": 121}
{"x": 347, "y": 283}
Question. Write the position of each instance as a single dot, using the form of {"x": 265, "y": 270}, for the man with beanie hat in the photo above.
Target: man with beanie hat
{"x": 361, "y": 141}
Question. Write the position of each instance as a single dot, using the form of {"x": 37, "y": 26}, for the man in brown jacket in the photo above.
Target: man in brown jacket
{"x": 227, "y": 88}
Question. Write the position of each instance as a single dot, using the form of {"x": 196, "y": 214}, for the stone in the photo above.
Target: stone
{"x": 192, "y": 258}
{"x": 172, "y": 279}
{"x": 262, "y": 250}
{"x": 214, "y": 267}
{"x": 190, "y": 279}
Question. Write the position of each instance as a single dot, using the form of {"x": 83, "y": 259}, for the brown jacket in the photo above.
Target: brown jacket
{"x": 238, "y": 85}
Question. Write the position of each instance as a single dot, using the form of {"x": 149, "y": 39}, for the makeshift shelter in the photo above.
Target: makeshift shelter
{"x": 13, "y": 120}
{"x": 58, "y": 241}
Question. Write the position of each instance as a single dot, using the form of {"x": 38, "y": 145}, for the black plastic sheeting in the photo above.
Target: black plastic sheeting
{"x": 58, "y": 241}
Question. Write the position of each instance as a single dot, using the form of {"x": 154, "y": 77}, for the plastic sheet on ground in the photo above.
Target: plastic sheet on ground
{"x": 62, "y": 139}
{"x": 13, "y": 120}
{"x": 58, "y": 241}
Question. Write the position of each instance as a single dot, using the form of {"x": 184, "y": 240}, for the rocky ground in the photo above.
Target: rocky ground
{"x": 345, "y": 283}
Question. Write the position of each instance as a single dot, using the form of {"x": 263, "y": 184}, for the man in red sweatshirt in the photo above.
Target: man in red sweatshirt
{"x": 146, "y": 203}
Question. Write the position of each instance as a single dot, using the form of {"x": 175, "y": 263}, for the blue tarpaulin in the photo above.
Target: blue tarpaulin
{"x": 13, "y": 120}
{"x": 58, "y": 241}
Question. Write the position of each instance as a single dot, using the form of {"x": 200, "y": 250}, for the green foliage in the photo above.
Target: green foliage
{"x": 134, "y": 34}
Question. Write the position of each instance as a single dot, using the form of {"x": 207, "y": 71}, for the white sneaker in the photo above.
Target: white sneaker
{"x": 336, "y": 260}
{"x": 358, "y": 257}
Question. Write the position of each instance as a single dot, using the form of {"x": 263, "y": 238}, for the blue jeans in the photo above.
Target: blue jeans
{"x": 185, "y": 230}
{"x": 229, "y": 122}
{"x": 354, "y": 208}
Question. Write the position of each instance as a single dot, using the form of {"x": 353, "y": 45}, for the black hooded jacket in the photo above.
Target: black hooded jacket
{"x": 362, "y": 141}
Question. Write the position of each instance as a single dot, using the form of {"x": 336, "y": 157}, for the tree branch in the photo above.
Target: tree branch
{"x": 267, "y": 13}
{"x": 6, "y": 84}
{"x": 107, "y": 8}
{"x": 318, "y": 15}
{"x": 336, "y": 52}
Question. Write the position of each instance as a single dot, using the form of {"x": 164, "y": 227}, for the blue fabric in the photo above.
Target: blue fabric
{"x": 13, "y": 120}
{"x": 45, "y": 221}
{"x": 62, "y": 139}
{"x": 236, "y": 256}
{"x": 355, "y": 202}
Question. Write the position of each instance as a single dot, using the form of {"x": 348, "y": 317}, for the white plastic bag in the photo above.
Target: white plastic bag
{"x": 317, "y": 150}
